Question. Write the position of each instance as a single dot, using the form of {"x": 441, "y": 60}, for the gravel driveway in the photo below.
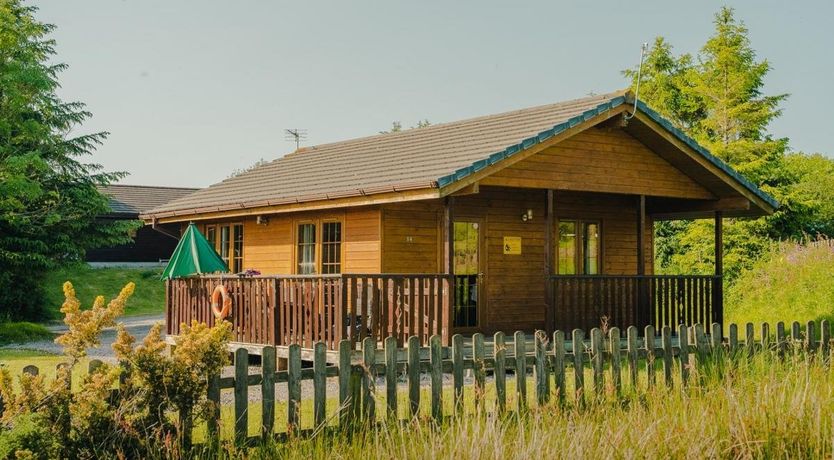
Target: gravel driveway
{"x": 138, "y": 326}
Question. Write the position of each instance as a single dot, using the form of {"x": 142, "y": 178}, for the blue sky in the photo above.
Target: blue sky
{"x": 191, "y": 90}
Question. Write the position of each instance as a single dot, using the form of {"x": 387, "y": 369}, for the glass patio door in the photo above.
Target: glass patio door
{"x": 467, "y": 271}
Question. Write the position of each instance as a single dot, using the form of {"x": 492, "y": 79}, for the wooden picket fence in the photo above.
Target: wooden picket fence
{"x": 615, "y": 363}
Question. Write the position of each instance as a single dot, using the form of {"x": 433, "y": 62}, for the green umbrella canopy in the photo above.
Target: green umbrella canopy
{"x": 194, "y": 255}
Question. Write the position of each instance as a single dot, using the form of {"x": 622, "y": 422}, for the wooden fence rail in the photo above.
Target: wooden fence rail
{"x": 584, "y": 301}
{"x": 616, "y": 361}
{"x": 308, "y": 309}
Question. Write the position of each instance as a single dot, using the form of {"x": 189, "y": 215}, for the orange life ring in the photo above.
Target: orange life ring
{"x": 219, "y": 293}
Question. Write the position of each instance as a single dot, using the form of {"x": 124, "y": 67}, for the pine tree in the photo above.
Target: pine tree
{"x": 718, "y": 99}
{"x": 48, "y": 197}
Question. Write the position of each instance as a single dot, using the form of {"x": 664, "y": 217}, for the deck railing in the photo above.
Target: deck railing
{"x": 305, "y": 309}
{"x": 587, "y": 301}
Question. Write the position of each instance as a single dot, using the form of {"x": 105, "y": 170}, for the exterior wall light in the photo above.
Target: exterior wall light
{"x": 262, "y": 220}
{"x": 527, "y": 215}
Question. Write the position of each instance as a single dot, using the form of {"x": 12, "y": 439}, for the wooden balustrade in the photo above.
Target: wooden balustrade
{"x": 305, "y": 309}
{"x": 587, "y": 301}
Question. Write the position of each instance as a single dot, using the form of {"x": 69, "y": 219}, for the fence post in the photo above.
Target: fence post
{"x": 319, "y": 383}
{"x": 520, "y": 370}
{"x": 683, "y": 354}
{"x": 733, "y": 339}
{"x": 478, "y": 365}
{"x": 578, "y": 337}
{"x": 559, "y": 364}
{"x": 649, "y": 339}
{"x": 345, "y": 371}
{"x": 369, "y": 380}
{"x": 436, "y": 352}
{"x": 810, "y": 337}
{"x": 666, "y": 336}
{"x": 597, "y": 361}
{"x": 500, "y": 353}
{"x": 614, "y": 350}
{"x": 391, "y": 376}
{"x": 268, "y": 362}
{"x": 293, "y": 388}
{"x": 780, "y": 338}
{"x": 457, "y": 372}
{"x": 716, "y": 340}
{"x": 632, "y": 354}
{"x": 825, "y": 341}
{"x": 765, "y": 337}
{"x": 542, "y": 374}
{"x": 750, "y": 339}
{"x": 414, "y": 375}
{"x": 796, "y": 335}
{"x": 241, "y": 395}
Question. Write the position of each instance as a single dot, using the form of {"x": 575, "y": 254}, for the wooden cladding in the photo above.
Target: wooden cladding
{"x": 607, "y": 160}
{"x": 584, "y": 302}
{"x": 286, "y": 310}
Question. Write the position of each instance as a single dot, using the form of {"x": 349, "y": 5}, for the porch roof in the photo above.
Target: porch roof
{"x": 433, "y": 160}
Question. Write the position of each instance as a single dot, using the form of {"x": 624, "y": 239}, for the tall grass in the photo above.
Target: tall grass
{"x": 760, "y": 408}
{"x": 794, "y": 282}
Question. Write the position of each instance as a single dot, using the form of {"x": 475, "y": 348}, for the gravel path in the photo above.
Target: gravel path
{"x": 138, "y": 326}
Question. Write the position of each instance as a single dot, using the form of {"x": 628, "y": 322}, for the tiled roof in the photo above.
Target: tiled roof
{"x": 405, "y": 160}
{"x": 429, "y": 157}
{"x": 136, "y": 199}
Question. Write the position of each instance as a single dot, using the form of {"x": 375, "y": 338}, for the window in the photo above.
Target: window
{"x": 307, "y": 249}
{"x": 211, "y": 236}
{"x": 224, "y": 244}
{"x": 331, "y": 247}
{"x": 578, "y": 250}
{"x": 237, "y": 248}
{"x": 227, "y": 240}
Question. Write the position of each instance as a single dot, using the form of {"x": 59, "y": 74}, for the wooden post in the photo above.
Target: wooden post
{"x": 241, "y": 395}
{"x": 448, "y": 267}
{"x": 718, "y": 286}
{"x": 550, "y": 304}
{"x": 642, "y": 313}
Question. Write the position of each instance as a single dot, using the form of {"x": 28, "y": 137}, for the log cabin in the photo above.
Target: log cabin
{"x": 539, "y": 218}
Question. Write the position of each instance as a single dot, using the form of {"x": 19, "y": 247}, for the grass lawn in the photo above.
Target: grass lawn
{"x": 147, "y": 299}
{"x": 16, "y": 360}
{"x": 22, "y": 332}
{"x": 767, "y": 409}
{"x": 792, "y": 283}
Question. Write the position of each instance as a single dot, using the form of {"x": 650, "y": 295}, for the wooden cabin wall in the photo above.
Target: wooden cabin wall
{"x": 600, "y": 159}
{"x": 411, "y": 237}
{"x": 515, "y": 284}
{"x": 270, "y": 248}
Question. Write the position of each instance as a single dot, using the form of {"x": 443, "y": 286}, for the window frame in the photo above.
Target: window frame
{"x": 579, "y": 250}
{"x": 318, "y": 222}
{"x": 218, "y": 229}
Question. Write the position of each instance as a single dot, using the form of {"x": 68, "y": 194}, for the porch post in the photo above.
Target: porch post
{"x": 718, "y": 286}
{"x": 550, "y": 304}
{"x": 642, "y": 314}
{"x": 448, "y": 269}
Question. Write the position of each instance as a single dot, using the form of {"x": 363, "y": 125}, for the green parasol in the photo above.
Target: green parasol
{"x": 194, "y": 255}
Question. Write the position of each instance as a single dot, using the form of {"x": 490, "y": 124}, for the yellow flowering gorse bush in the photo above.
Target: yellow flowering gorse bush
{"x": 48, "y": 420}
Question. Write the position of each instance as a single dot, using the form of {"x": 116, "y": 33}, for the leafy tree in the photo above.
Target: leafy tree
{"x": 718, "y": 99}
{"x": 48, "y": 197}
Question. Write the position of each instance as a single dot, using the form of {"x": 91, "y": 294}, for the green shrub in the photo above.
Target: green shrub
{"x": 87, "y": 422}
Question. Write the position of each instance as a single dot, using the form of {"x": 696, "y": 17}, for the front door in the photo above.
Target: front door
{"x": 468, "y": 274}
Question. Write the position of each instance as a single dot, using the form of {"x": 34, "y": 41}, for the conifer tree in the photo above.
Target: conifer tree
{"x": 49, "y": 199}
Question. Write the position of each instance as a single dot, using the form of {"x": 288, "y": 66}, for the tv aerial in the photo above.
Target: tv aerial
{"x": 295, "y": 135}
